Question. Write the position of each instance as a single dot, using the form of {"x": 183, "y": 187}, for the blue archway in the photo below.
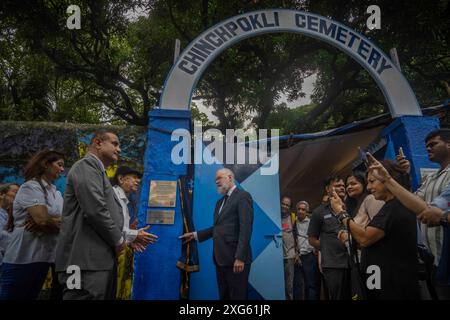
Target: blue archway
{"x": 156, "y": 275}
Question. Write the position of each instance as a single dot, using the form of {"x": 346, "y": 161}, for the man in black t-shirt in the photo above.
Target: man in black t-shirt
{"x": 323, "y": 235}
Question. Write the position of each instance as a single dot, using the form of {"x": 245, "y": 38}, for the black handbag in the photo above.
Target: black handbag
{"x": 426, "y": 262}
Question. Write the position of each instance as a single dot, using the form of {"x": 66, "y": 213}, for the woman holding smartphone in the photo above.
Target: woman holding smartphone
{"x": 389, "y": 242}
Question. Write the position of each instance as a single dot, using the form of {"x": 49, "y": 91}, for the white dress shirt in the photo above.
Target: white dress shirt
{"x": 128, "y": 234}
{"x": 302, "y": 237}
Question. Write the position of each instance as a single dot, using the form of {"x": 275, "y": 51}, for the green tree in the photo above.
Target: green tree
{"x": 113, "y": 68}
{"x": 116, "y": 59}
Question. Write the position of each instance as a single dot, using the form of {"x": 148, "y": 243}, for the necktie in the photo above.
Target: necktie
{"x": 223, "y": 203}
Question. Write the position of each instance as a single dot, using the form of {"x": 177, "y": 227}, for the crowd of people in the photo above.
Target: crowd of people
{"x": 90, "y": 229}
{"x": 371, "y": 237}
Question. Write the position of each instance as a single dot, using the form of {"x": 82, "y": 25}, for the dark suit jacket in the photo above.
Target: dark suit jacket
{"x": 92, "y": 219}
{"x": 232, "y": 229}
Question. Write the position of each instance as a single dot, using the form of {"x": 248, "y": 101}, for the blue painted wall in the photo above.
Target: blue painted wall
{"x": 156, "y": 275}
{"x": 409, "y": 132}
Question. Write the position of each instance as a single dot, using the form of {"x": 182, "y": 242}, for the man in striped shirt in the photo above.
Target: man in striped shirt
{"x": 438, "y": 148}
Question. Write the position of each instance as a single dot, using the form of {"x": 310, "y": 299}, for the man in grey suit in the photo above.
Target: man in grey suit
{"x": 92, "y": 222}
{"x": 231, "y": 233}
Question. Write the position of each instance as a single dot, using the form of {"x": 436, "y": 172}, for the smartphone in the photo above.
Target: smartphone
{"x": 363, "y": 156}
{"x": 400, "y": 152}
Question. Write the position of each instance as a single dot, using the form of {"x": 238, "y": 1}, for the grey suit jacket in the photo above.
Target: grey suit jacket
{"x": 232, "y": 229}
{"x": 92, "y": 219}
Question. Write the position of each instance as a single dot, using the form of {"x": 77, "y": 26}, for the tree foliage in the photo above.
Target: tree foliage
{"x": 114, "y": 67}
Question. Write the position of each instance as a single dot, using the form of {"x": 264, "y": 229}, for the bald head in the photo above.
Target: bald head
{"x": 106, "y": 146}
{"x": 101, "y": 135}
{"x": 227, "y": 172}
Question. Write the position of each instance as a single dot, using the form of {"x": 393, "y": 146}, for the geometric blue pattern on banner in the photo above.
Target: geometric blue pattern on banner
{"x": 253, "y": 294}
{"x": 266, "y": 196}
{"x": 262, "y": 226}
{"x": 203, "y": 284}
{"x": 267, "y": 276}
{"x": 265, "y": 191}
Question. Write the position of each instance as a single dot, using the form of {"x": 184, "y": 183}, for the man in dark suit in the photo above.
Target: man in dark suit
{"x": 92, "y": 223}
{"x": 231, "y": 233}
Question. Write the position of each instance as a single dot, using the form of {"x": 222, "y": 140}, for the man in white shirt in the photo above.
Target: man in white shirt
{"x": 125, "y": 182}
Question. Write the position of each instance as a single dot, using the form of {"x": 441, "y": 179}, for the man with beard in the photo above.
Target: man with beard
{"x": 231, "y": 233}
{"x": 323, "y": 235}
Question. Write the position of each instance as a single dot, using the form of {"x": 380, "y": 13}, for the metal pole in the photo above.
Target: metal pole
{"x": 176, "y": 52}
{"x": 394, "y": 58}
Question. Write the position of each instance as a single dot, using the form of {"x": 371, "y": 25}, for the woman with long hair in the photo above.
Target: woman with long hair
{"x": 360, "y": 204}
{"x": 37, "y": 212}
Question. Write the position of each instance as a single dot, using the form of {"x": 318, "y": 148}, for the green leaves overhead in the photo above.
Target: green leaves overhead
{"x": 113, "y": 68}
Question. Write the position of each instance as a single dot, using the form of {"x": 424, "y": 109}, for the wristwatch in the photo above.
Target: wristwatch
{"x": 342, "y": 215}
{"x": 444, "y": 220}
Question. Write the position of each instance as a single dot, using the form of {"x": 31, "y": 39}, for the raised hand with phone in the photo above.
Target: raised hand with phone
{"x": 404, "y": 164}
{"x": 363, "y": 157}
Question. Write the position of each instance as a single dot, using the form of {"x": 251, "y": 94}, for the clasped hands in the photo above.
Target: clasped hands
{"x": 52, "y": 227}
{"x": 140, "y": 243}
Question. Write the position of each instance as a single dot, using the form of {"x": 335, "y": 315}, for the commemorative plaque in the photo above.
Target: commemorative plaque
{"x": 160, "y": 216}
{"x": 162, "y": 193}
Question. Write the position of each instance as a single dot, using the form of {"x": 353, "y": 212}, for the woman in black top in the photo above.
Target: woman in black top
{"x": 389, "y": 242}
